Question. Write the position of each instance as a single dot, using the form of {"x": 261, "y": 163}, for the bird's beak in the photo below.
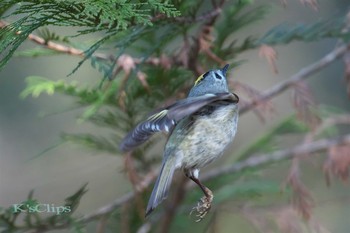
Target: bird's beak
{"x": 224, "y": 69}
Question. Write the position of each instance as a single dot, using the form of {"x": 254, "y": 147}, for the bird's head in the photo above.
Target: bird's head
{"x": 213, "y": 81}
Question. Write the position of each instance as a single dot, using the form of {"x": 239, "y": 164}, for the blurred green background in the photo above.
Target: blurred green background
{"x": 28, "y": 126}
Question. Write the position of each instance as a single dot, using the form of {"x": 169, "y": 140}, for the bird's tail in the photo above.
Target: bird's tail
{"x": 162, "y": 185}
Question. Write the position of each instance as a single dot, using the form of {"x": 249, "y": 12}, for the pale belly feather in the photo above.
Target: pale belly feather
{"x": 209, "y": 138}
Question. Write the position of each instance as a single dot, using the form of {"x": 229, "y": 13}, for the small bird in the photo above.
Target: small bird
{"x": 200, "y": 128}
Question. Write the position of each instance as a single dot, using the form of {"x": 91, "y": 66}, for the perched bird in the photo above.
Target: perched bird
{"x": 200, "y": 128}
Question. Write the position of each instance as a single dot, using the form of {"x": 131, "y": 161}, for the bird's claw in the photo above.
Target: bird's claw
{"x": 202, "y": 208}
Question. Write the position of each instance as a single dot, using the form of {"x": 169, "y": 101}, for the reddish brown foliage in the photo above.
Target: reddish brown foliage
{"x": 288, "y": 221}
{"x": 262, "y": 107}
{"x": 302, "y": 199}
{"x": 206, "y": 43}
{"x": 305, "y": 105}
{"x": 270, "y": 54}
{"x": 338, "y": 163}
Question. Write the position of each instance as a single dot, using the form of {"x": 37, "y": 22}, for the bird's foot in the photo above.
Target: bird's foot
{"x": 203, "y": 207}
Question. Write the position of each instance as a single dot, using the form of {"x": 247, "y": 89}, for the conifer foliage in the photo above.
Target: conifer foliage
{"x": 155, "y": 49}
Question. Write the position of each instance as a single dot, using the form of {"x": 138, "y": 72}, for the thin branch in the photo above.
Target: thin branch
{"x": 329, "y": 122}
{"x": 69, "y": 50}
{"x": 145, "y": 228}
{"x": 101, "y": 225}
{"x": 261, "y": 160}
{"x": 301, "y": 75}
{"x": 58, "y": 47}
{"x": 109, "y": 208}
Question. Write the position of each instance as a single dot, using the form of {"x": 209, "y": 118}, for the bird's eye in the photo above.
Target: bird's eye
{"x": 218, "y": 76}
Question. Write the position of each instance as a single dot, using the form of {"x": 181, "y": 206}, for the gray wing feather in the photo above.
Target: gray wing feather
{"x": 166, "y": 119}
{"x": 186, "y": 107}
{"x": 143, "y": 131}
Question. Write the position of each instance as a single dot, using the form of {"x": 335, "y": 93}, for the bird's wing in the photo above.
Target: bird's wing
{"x": 165, "y": 119}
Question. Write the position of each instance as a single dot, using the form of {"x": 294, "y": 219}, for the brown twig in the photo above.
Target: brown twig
{"x": 301, "y": 75}
{"x": 109, "y": 208}
{"x": 101, "y": 225}
{"x": 145, "y": 228}
{"x": 260, "y": 160}
{"x": 151, "y": 60}
{"x": 69, "y": 50}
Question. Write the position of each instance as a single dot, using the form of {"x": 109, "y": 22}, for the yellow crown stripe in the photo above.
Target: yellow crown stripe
{"x": 198, "y": 80}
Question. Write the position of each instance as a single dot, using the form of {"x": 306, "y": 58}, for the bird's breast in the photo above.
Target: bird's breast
{"x": 203, "y": 137}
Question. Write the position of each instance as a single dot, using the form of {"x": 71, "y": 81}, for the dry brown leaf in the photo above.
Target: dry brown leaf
{"x": 288, "y": 220}
{"x": 165, "y": 62}
{"x": 338, "y": 163}
{"x": 135, "y": 180}
{"x": 142, "y": 78}
{"x": 258, "y": 220}
{"x": 257, "y": 111}
{"x": 270, "y": 54}
{"x": 206, "y": 39}
{"x": 262, "y": 107}
{"x": 302, "y": 199}
{"x": 127, "y": 63}
{"x": 130, "y": 170}
{"x": 305, "y": 105}
{"x": 206, "y": 43}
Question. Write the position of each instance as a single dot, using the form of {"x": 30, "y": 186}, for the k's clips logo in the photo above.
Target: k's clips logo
{"x": 40, "y": 208}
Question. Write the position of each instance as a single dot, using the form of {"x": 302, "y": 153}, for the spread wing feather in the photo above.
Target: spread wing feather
{"x": 166, "y": 119}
